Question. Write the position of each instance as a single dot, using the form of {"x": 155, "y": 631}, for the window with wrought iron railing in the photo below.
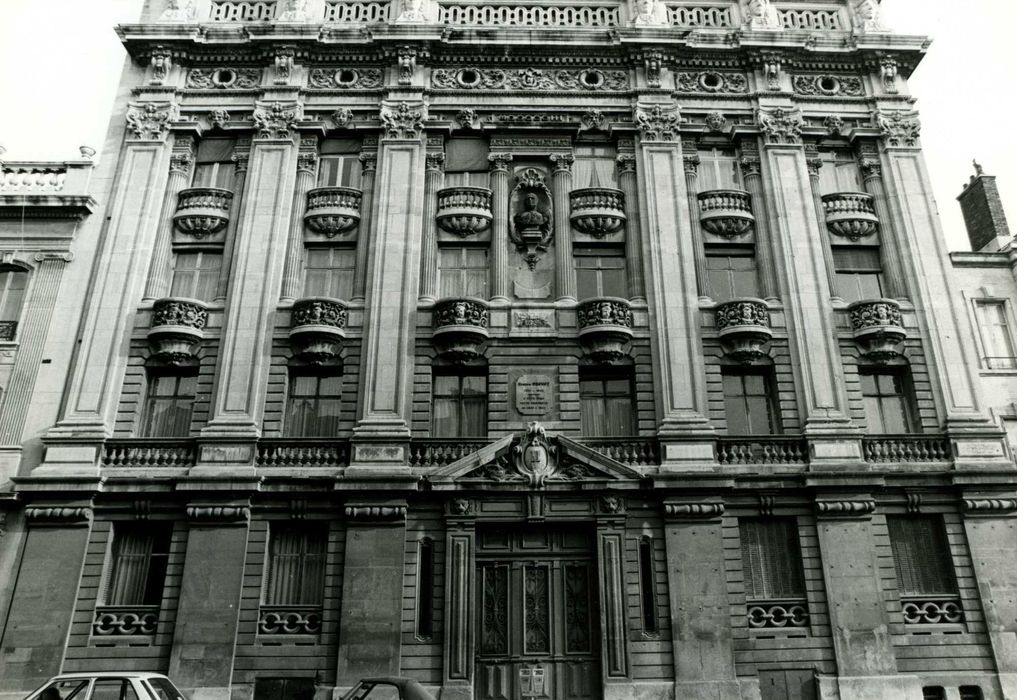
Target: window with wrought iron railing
{"x": 775, "y": 591}
{"x": 924, "y": 567}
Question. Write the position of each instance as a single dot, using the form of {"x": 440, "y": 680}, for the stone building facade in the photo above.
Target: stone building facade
{"x": 578, "y": 350}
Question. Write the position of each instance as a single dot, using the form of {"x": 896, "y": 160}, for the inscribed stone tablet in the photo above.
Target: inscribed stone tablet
{"x": 533, "y": 394}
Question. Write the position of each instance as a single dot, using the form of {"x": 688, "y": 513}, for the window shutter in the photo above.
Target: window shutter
{"x": 771, "y": 557}
{"x": 921, "y": 555}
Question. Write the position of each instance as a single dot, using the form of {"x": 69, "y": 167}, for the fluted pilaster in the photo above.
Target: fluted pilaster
{"x": 889, "y": 246}
{"x": 368, "y": 166}
{"x": 752, "y": 176}
{"x": 814, "y": 163}
{"x": 181, "y": 163}
{"x": 561, "y": 185}
{"x": 242, "y": 159}
{"x": 433, "y": 180}
{"x": 307, "y": 166}
{"x": 500, "y": 165}
{"x": 691, "y": 161}
{"x": 633, "y": 235}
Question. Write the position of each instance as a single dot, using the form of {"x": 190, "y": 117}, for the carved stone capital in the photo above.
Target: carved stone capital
{"x": 275, "y": 121}
{"x": 871, "y": 168}
{"x": 751, "y": 166}
{"x": 181, "y": 161}
{"x": 562, "y": 162}
{"x": 846, "y": 508}
{"x": 307, "y": 163}
{"x": 368, "y": 162}
{"x": 703, "y": 510}
{"x": 150, "y": 121}
{"x": 401, "y": 121}
{"x": 691, "y": 162}
{"x": 58, "y": 514}
{"x": 626, "y": 163}
{"x": 435, "y": 162}
{"x": 780, "y": 126}
{"x": 899, "y": 130}
{"x": 658, "y": 122}
{"x": 500, "y": 162}
{"x": 814, "y": 165}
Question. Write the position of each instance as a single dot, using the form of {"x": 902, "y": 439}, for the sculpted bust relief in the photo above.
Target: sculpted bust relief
{"x": 761, "y": 14}
{"x": 647, "y": 13}
{"x": 418, "y": 11}
{"x": 530, "y": 217}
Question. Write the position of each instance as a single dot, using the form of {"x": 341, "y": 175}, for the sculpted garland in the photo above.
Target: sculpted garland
{"x": 529, "y": 79}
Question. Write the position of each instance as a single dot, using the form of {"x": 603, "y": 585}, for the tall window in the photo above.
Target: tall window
{"x": 140, "y": 558}
{"x": 997, "y": 338}
{"x": 731, "y": 273}
{"x": 339, "y": 165}
{"x": 425, "y": 588}
{"x": 647, "y": 587}
{"x": 771, "y": 559}
{"x": 329, "y": 272}
{"x": 466, "y": 162}
{"x": 718, "y": 170}
{"x": 459, "y": 405}
{"x": 296, "y": 565}
{"x": 600, "y": 272}
{"x": 462, "y": 271}
{"x": 595, "y": 166}
{"x": 214, "y": 166}
{"x": 607, "y": 405}
{"x": 859, "y": 272}
{"x": 921, "y": 555}
{"x": 840, "y": 172}
{"x": 169, "y": 403}
{"x": 313, "y": 405}
{"x": 13, "y": 282}
{"x": 196, "y": 275}
{"x": 750, "y": 406}
{"x": 888, "y": 405}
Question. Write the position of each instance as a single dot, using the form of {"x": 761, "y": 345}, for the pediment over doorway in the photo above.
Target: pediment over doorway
{"x": 534, "y": 460}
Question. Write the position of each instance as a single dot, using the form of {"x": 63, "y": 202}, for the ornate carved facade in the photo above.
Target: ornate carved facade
{"x": 526, "y": 349}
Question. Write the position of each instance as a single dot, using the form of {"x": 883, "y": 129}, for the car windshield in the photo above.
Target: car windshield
{"x": 64, "y": 690}
{"x": 377, "y": 691}
{"x": 162, "y": 689}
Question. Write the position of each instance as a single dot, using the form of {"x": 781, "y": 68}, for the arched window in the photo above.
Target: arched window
{"x": 13, "y": 282}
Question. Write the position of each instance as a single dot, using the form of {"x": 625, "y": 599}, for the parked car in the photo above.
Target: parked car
{"x": 388, "y": 688}
{"x": 108, "y": 686}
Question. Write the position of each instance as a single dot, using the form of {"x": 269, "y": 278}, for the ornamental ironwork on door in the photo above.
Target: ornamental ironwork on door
{"x": 536, "y": 601}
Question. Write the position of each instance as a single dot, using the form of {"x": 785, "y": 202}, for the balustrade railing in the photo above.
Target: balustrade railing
{"x": 30, "y": 179}
{"x": 906, "y": 448}
{"x": 762, "y": 450}
{"x": 632, "y": 451}
{"x": 811, "y": 19}
{"x": 303, "y": 452}
{"x": 777, "y": 614}
{"x": 289, "y": 619}
{"x": 243, "y": 10}
{"x": 125, "y": 621}
{"x": 932, "y": 610}
{"x": 720, "y": 16}
{"x": 356, "y": 12}
{"x": 594, "y": 15}
{"x": 439, "y": 452}
{"x": 150, "y": 452}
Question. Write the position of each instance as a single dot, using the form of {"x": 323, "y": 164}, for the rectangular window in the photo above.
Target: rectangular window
{"x": 313, "y": 405}
{"x": 933, "y": 692}
{"x": 839, "y": 172}
{"x": 462, "y": 272}
{"x": 921, "y": 555}
{"x": 600, "y": 272}
{"x": 329, "y": 272}
{"x": 771, "y": 559}
{"x": 459, "y": 406}
{"x": 196, "y": 275}
{"x": 859, "y": 273}
{"x": 997, "y": 339}
{"x": 607, "y": 406}
{"x": 213, "y": 164}
{"x": 425, "y": 588}
{"x": 12, "y": 293}
{"x": 169, "y": 403}
{"x": 466, "y": 162}
{"x": 339, "y": 165}
{"x": 888, "y": 406}
{"x": 750, "y": 406}
{"x": 647, "y": 586}
{"x": 296, "y": 565}
{"x": 140, "y": 558}
{"x": 731, "y": 274}
{"x": 718, "y": 170}
{"x": 595, "y": 166}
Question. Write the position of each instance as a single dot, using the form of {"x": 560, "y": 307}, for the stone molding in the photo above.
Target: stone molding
{"x": 374, "y": 514}
{"x": 703, "y": 510}
{"x": 209, "y": 513}
{"x": 847, "y": 508}
{"x": 58, "y": 514}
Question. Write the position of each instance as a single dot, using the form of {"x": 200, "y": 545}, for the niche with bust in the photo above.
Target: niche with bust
{"x": 531, "y": 231}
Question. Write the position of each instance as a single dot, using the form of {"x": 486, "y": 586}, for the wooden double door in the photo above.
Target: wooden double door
{"x": 538, "y": 632}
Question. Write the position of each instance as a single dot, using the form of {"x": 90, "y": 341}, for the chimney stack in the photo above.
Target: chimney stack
{"x": 983, "y": 212}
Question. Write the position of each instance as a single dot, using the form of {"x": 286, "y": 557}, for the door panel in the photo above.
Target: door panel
{"x": 536, "y": 598}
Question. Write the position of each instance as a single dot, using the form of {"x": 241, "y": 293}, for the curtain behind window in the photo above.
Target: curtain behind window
{"x": 921, "y": 555}
{"x": 771, "y": 557}
{"x": 296, "y": 567}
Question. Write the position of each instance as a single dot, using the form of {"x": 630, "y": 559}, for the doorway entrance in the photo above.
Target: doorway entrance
{"x": 537, "y": 616}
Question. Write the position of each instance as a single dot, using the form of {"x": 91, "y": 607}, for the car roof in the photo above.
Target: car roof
{"x": 410, "y": 689}
{"x": 106, "y": 674}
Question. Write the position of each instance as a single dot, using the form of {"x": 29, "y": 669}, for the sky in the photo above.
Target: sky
{"x": 60, "y": 62}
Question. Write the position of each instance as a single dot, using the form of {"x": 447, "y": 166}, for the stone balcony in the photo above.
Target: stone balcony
{"x": 464, "y": 212}
{"x": 726, "y": 213}
{"x": 178, "y": 326}
{"x": 201, "y": 217}
{"x": 605, "y": 327}
{"x": 851, "y": 215}
{"x": 460, "y": 327}
{"x": 598, "y": 212}
{"x": 46, "y": 190}
{"x": 743, "y": 326}
{"x": 318, "y": 328}
{"x": 877, "y": 327}
{"x": 332, "y": 212}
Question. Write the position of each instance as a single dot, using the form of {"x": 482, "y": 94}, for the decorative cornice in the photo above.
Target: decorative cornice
{"x": 366, "y": 513}
{"x": 711, "y": 82}
{"x": 853, "y": 508}
{"x": 218, "y": 513}
{"x": 223, "y": 78}
{"x": 530, "y": 79}
{"x": 658, "y": 122}
{"x": 693, "y": 511}
{"x": 899, "y": 130}
{"x": 989, "y": 506}
{"x": 58, "y": 513}
{"x": 403, "y": 122}
{"x": 780, "y": 126}
{"x": 345, "y": 78}
{"x": 150, "y": 121}
{"x": 275, "y": 121}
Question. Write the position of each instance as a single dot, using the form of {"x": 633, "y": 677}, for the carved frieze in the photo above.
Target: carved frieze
{"x": 828, "y": 85}
{"x": 223, "y": 78}
{"x": 345, "y": 78}
{"x": 530, "y": 79}
{"x": 711, "y": 81}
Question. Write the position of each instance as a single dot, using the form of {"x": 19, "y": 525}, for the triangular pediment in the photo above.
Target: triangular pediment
{"x": 533, "y": 459}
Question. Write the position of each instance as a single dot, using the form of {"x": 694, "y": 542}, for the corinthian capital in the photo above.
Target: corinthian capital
{"x": 275, "y": 121}
{"x": 402, "y": 121}
{"x": 780, "y": 126}
{"x": 658, "y": 122}
{"x": 150, "y": 121}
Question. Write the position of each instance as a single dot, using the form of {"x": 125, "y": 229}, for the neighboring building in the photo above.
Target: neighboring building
{"x": 587, "y": 350}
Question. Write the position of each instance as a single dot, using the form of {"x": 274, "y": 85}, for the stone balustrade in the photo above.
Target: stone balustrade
{"x": 318, "y": 328}
{"x": 201, "y": 216}
{"x": 289, "y": 620}
{"x": 464, "y": 211}
{"x": 177, "y": 329}
{"x": 30, "y": 177}
{"x": 932, "y": 610}
{"x": 149, "y": 452}
{"x": 597, "y": 212}
{"x": 777, "y": 614}
{"x": 243, "y": 10}
{"x": 743, "y": 326}
{"x": 303, "y": 452}
{"x": 850, "y": 214}
{"x": 906, "y": 449}
{"x": 439, "y": 452}
{"x": 332, "y": 211}
{"x": 726, "y": 213}
{"x": 460, "y": 327}
{"x": 125, "y": 621}
{"x": 633, "y": 451}
{"x": 46, "y": 189}
{"x": 878, "y": 327}
{"x": 762, "y": 450}
{"x": 605, "y": 327}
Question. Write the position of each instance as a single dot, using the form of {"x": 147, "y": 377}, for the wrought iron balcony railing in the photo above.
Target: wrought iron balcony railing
{"x": 125, "y": 621}
{"x": 778, "y": 614}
